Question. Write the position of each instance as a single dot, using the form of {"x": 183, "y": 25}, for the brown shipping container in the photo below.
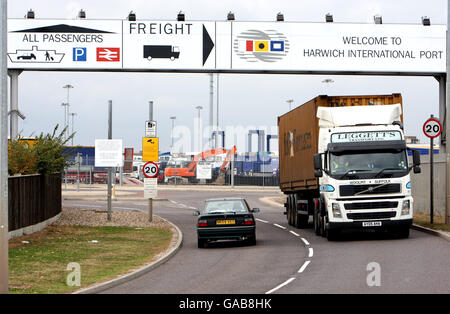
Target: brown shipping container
{"x": 298, "y": 132}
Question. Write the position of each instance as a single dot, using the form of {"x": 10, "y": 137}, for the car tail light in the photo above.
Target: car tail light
{"x": 202, "y": 223}
{"x": 249, "y": 221}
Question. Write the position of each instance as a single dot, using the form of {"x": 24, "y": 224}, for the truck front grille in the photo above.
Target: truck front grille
{"x": 369, "y": 189}
{"x": 365, "y": 216}
{"x": 371, "y": 205}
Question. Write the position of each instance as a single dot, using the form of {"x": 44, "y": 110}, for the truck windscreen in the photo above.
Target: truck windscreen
{"x": 368, "y": 164}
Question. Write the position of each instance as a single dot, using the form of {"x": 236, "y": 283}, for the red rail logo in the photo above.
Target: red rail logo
{"x": 108, "y": 54}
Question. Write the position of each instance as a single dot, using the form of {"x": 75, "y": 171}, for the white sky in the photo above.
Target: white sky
{"x": 245, "y": 100}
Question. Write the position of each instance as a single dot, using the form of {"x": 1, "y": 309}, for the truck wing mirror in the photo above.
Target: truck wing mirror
{"x": 417, "y": 169}
{"x": 318, "y": 173}
{"x": 317, "y": 162}
{"x": 416, "y": 158}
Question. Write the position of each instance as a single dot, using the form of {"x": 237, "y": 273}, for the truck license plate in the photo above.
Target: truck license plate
{"x": 371, "y": 224}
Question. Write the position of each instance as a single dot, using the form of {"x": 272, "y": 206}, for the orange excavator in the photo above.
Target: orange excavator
{"x": 190, "y": 172}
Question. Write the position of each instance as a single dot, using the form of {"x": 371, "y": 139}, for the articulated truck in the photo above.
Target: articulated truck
{"x": 344, "y": 161}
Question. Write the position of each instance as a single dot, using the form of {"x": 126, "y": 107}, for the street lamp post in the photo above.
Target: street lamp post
{"x": 200, "y": 142}
{"x": 68, "y": 86}
{"x": 66, "y": 109}
{"x": 327, "y": 82}
{"x": 73, "y": 114}
{"x": 290, "y": 101}
{"x": 173, "y": 124}
{"x": 171, "y": 146}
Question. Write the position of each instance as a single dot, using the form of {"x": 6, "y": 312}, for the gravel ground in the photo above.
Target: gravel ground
{"x": 95, "y": 218}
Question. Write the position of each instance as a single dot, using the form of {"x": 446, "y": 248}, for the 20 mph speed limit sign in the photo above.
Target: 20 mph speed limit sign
{"x": 432, "y": 128}
{"x": 150, "y": 170}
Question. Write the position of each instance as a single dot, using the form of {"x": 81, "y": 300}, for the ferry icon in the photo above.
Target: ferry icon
{"x": 35, "y": 55}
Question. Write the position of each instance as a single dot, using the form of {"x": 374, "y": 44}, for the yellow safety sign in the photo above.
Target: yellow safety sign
{"x": 150, "y": 149}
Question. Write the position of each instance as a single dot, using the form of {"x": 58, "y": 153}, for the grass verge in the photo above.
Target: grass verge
{"x": 424, "y": 221}
{"x": 40, "y": 265}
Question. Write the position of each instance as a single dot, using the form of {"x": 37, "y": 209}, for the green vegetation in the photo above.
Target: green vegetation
{"x": 43, "y": 155}
{"x": 40, "y": 265}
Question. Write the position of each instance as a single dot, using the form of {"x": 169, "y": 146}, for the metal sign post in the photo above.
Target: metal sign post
{"x": 109, "y": 169}
{"x": 150, "y": 171}
{"x": 432, "y": 129}
{"x": 4, "y": 278}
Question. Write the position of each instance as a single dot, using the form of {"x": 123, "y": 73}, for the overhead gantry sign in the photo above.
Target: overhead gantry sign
{"x": 235, "y": 47}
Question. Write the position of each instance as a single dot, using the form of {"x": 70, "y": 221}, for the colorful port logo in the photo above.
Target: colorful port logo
{"x": 265, "y": 46}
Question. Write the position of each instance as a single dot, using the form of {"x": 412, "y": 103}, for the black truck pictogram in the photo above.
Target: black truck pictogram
{"x": 161, "y": 52}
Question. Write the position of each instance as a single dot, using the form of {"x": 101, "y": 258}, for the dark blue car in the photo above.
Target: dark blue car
{"x": 226, "y": 219}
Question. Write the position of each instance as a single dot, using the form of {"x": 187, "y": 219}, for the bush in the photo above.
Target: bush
{"x": 46, "y": 155}
{"x": 21, "y": 159}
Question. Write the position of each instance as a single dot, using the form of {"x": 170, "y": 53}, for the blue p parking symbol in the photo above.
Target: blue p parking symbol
{"x": 79, "y": 54}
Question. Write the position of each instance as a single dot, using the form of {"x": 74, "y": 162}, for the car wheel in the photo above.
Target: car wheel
{"x": 201, "y": 243}
{"x": 252, "y": 240}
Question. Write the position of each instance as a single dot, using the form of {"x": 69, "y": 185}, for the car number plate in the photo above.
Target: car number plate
{"x": 225, "y": 222}
{"x": 371, "y": 224}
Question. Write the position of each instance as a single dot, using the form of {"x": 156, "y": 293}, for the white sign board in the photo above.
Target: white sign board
{"x": 168, "y": 45}
{"x": 286, "y": 47}
{"x": 63, "y": 44}
{"x": 150, "y": 188}
{"x": 368, "y": 136}
{"x": 150, "y": 128}
{"x": 108, "y": 153}
{"x": 204, "y": 171}
{"x": 339, "y": 47}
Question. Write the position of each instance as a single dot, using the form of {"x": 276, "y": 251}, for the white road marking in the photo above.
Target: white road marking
{"x": 296, "y": 234}
{"x": 304, "y": 267}
{"x": 281, "y": 286}
{"x": 264, "y": 221}
{"x": 277, "y": 225}
{"x": 311, "y": 252}
{"x": 305, "y": 241}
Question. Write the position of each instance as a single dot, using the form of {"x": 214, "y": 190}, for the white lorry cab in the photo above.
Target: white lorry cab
{"x": 363, "y": 171}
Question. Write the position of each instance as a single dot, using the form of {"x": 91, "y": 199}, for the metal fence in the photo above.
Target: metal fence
{"x": 33, "y": 199}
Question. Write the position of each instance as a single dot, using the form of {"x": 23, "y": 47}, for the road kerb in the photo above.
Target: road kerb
{"x": 139, "y": 272}
{"x": 431, "y": 231}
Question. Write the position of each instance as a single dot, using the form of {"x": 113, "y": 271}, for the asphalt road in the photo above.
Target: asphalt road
{"x": 285, "y": 259}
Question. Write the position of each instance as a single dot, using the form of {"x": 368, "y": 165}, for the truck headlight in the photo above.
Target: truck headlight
{"x": 408, "y": 185}
{"x": 327, "y": 188}
{"x": 336, "y": 210}
{"x": 405, "y": 207}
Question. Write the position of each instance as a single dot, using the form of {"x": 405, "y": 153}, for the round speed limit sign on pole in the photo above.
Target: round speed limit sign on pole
{"x": 150, "y": 170}
{"x": 432, "y": 128}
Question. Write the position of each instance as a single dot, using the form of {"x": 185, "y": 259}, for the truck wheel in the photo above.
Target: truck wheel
{"x": 316, "y": 222}
{"x": 332, "y": 235}
{"x": 289, "y": 210}
{"x": 302, "y": 221}
{"x": 403, "y": 232}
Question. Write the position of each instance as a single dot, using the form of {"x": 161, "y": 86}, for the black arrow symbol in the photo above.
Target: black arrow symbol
{"x": 208, "y": 44}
